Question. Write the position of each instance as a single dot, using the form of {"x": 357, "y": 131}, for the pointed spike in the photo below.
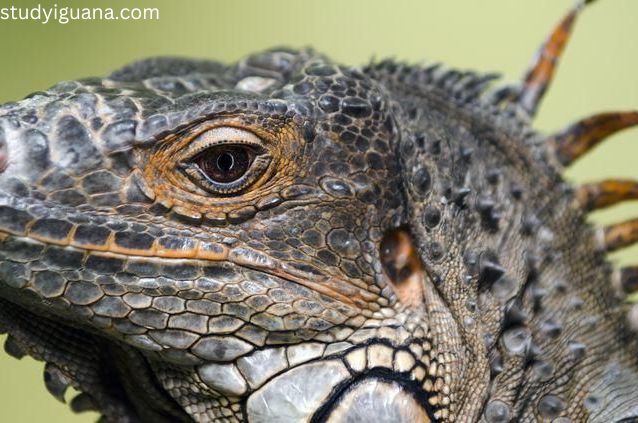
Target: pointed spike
{"x": 496, "y": 365}
{"x": 82, "y": 402}
{"x": 429, "y": 71}
{"x": 490, "y": 272}
{"x": 505, "y": 94}
{"x": 466, "y": 153}
{"x": 530, "y": 224}
{"x": 576, "y": 349}
{"x": 435, "y": 147}
{"x": 493, "y": 176}
{"x": 628, "y": 277}
{"x": 13, "y": 348}
{"x": 486, "y": 208}
{"x": 620, "y": 235}
{"x": 551, "y": 328}
{"x": 514, "y": 315}
{"x": 580, "y": 137}
{"x": 473, "y": 87}
{"x": 538, "y": 294}
{"x": 459, "y": 194}
{"x": 485, "y": 205}
{"x": 449, "y": 78}
{"x": 541, "y": 71}
{"x": 534, "y": 352}
{"x": 606, "y": 193}
{"x": 56, "y": 381}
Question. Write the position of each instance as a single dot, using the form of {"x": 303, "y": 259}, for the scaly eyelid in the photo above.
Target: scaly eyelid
{"x": 222, "y": 135}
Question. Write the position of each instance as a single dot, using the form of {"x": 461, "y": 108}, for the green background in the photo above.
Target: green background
{"x": 598, "y": 73}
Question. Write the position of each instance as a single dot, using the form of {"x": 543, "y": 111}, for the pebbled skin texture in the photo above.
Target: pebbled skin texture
{"x": 162, "y": 301}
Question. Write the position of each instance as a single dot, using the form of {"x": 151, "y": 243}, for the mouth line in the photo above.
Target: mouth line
{"x": 206, "y": 252}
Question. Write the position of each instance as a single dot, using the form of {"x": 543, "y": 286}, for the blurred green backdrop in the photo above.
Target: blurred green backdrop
{"x": 598, "y": 73}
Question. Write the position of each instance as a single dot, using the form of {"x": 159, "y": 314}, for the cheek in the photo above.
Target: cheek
{"x": 374, "y": 400}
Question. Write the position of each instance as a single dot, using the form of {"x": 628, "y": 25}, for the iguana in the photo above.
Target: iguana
{"x": 287, "y": 239}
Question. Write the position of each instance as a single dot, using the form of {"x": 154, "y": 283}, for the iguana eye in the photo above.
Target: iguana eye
{"x": 226, "y": 160}
{"x": 225, "y": 163}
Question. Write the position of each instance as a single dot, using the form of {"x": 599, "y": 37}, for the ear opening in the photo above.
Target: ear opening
{"x": 402, "y": 266}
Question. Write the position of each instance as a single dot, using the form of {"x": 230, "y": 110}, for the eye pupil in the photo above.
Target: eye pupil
{"x": 225, "y": 163}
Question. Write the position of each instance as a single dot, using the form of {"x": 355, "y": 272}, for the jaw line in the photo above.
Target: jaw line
{"x": 241, "y": 256}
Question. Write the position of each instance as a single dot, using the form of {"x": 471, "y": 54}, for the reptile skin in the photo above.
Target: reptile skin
{"x": 287, "y": 239}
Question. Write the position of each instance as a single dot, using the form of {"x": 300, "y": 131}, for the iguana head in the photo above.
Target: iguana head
{"x": 286, "y": 239}
{"x": 228, "y": 224}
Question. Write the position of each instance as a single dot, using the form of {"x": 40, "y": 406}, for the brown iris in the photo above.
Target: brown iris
{"x": 225, "y": 163}
{"x": 225, "y": 160}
